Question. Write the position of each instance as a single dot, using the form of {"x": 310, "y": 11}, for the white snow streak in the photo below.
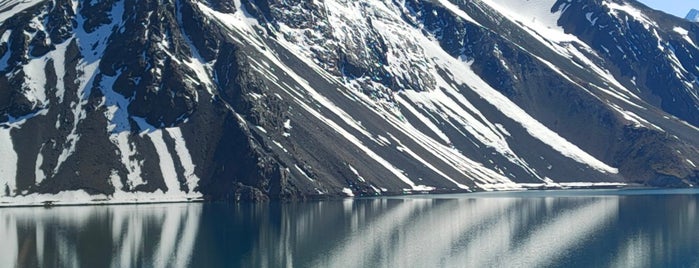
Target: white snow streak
{"x": 4, "y": 39}
{"x": 39, "y": 173}
{"x": 637, "y": 120}
{"x": 35, "y": 82}
{"x": 185, "y": 158}
{"x": 534, "y": 15}
{"x": 120, "y": 131}
{"x": 631, "y": 11}
{"x": 8, "y": 165}
{"x": 404, "y": 149}
{"x": 167, "y": 166}
{"x": 303, "y": 173}
{"x": 456, "y": 10}
{"x": 348, "y": 192}
{"x": 80, "y": 197}
{"x": 685, "y": 35}
{"x": 511, "y": 110}
{"x": 59, "y": 65}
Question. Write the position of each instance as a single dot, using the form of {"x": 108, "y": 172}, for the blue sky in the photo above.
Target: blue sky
{"x": 678, "y": 8}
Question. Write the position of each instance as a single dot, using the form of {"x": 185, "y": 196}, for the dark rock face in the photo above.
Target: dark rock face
{"x": 146, "y": 63}
{"x": 251, "y": 100}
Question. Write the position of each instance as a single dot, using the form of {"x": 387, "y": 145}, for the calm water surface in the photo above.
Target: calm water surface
{"x": 532, "y": 229}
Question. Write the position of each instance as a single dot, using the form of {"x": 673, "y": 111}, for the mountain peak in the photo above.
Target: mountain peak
{"x": 693, "y": 15}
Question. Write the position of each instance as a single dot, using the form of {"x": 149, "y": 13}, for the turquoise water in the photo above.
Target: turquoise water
{"x": 591, "y": 228}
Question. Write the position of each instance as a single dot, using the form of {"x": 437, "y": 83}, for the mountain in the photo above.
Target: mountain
{"x": 169, "y": 100}
{"x": 693, "y": 15}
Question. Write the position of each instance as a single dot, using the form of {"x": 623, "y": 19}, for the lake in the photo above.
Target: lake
{"x": 588, "y": 228}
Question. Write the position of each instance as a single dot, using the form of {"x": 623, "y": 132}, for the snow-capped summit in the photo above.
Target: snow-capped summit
{"x": 168, "y": 100}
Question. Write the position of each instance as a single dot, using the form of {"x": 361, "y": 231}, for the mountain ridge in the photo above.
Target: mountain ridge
{"x": 266, "y": 99}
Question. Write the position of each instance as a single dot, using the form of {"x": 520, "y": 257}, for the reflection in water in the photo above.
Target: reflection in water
{"x": 635, "y": 252}
{"x": 510, "y": 231}
{"x": 545, "y": 242}
{"x": 98, "y": 236}
{"x": 475, "y": 233}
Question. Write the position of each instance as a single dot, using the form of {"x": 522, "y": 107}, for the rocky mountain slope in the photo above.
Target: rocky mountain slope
{"x": 166, "y": 100}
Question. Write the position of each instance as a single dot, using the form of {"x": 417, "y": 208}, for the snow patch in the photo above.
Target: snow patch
{"x": 535, "y": 15}
{"x": 8, "y": 165}
{"x": 4, "y": 40}
{"x": 404, "y": 149}
{"x": 503, "y": 129}
{"x": 119, "y": 128}
{"x": 637, "y": 120}
{"x": 280, "y": 146}
{"x": 304, "y": 173}
{"x": 685, "y": 35}
{"x": 348, "y": 192}
{"x": 384, "y": 140}
{"x": 185, "y": 157}
{"x": 34, "y": 87}
{"x": 167, "y": 165}
{"x": 80, "y": 197}
{"x": 39, "y": 173}
{"x": 59, "y": 65}
{"x": 356, "y": 173}
{"x": 631, "y": 11}
{"x": 456, "y": 10}
{"x": 127, "y": 151}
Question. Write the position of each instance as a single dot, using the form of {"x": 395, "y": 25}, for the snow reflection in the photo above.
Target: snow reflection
{"x": 99, "y": 236}
{"x": 471, "y": 232}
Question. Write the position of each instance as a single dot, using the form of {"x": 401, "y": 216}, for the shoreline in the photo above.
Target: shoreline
{"x": 52, "y": 204}
{"x": 605, "y": 189}
{"x": 553, "y": 190}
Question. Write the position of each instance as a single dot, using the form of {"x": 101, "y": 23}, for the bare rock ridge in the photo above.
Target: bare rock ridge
{"x": 157, "y": 100}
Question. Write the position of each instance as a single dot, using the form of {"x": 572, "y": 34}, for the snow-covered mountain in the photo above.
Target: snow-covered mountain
{"x": 137, "y": 101}
{"x": 693, "y": 15}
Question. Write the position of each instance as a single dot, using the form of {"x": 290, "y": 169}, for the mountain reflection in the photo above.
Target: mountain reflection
{"x": 99, "y": 236}
{"x": 467, "y": 232}
{"x": 509, "y": 231}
